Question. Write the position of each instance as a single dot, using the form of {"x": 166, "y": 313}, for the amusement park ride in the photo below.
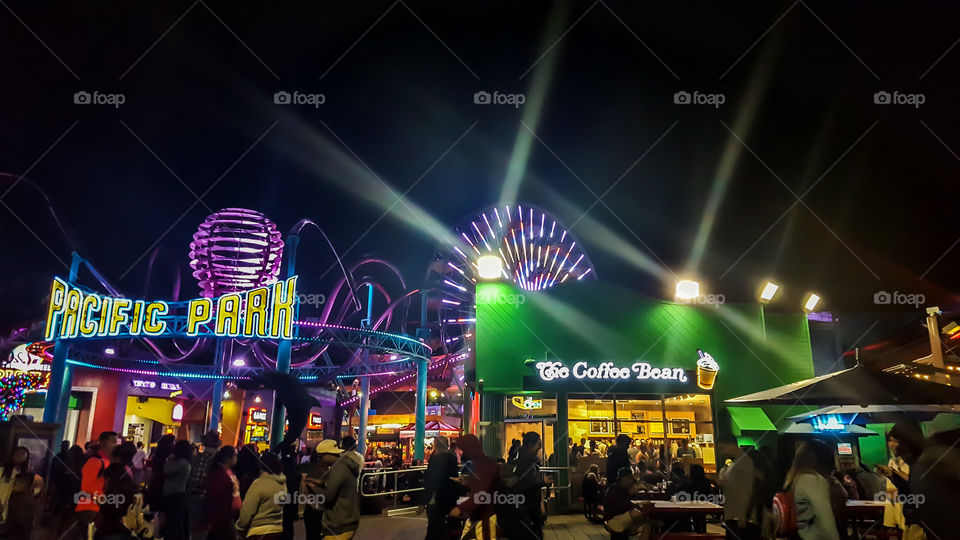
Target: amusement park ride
{"x": 249, "y": 320}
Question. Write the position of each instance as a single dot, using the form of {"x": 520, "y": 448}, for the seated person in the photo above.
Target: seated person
{"x": 620, "y": 514}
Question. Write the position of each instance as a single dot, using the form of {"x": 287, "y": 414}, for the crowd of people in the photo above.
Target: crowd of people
{"x": 115, "y": 490}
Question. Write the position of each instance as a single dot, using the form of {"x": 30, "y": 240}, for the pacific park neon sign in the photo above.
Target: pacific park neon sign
{"x": 263, "y": 312}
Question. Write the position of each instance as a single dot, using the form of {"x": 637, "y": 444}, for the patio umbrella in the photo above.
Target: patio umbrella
{"x": 855, "y": 386}
{"x": 881, "y": 413}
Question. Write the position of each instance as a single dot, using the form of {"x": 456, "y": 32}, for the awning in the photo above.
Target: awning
{"x": 433, "y": 428}
{"x": 750, "y": 419}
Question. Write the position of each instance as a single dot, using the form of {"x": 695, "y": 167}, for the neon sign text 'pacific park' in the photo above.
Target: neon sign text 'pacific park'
{"x": 263, "y": 312}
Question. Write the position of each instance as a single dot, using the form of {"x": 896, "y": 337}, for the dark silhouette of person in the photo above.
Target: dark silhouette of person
{"x": 291, "y": 394}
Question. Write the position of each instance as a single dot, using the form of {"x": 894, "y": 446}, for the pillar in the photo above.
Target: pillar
{"x": 420, "y": 433}
{"x": 364, "y": 379}
{"x": 491, "y": 423}
{"x": 285, "y": 346}
{"x": 220, "y": 361}
{"x": 560, "y": 436}
{"x": 61, "y": 377}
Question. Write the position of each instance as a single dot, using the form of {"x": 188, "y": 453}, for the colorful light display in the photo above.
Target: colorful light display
{"x": 234, "y": 250}
{"x": 536, "y": 252}
{"x": 13, "y": 388}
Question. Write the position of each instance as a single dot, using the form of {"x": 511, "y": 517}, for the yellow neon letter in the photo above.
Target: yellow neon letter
{"x": 118, "y": 315}
{"x": 152, "y": 326}
{"x": 228, "y": 315}
{"x": 106, "y": 303}
{"x": 58, "y": 295}
{"x": 284, "y": 295}
{"x": 70, "y": 324}
{"x": 256, "y": 311}
{"x": 200, "y": 312}
{"x": 88, "y": 326}
{"x": 136, "y": 319}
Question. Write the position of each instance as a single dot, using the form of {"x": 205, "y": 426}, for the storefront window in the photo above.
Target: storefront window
{"x": 667, "y": 429}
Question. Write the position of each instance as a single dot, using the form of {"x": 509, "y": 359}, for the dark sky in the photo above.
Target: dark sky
{"x": 798, "y": 80}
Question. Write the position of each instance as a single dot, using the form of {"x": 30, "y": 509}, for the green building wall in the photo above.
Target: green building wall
{"x": 597, "y": 321}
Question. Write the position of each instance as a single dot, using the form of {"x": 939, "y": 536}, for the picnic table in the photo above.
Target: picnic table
{"x": 673, "y": 509}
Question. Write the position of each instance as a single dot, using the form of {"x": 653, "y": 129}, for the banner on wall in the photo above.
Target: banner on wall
{"x": 34, "y": 358}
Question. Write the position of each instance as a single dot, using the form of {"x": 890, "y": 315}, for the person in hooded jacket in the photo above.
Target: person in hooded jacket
{"x": 481, "y": 481}
{"x": 261, "y": 515}
{"x": 339, "y": 488}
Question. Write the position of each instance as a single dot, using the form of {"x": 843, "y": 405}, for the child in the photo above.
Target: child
{"x": 21, "y": 509}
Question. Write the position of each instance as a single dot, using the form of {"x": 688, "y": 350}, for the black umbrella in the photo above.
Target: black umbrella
{"x": 855, "y": 386}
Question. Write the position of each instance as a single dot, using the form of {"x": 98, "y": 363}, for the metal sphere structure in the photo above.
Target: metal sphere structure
{"x": 235, "y": 249}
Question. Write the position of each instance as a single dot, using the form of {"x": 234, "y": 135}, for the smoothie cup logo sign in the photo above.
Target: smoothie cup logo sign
{"x": 707, "y": 369}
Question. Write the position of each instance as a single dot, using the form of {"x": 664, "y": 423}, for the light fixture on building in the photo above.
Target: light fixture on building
{"x": 226, "y": 395}
{"x": 769, "y": 291}
{"x": 177, "y": 413}
{"x": 811, "y": 302}
{"x": 687, "y": 289}
{"x": 257, "y": 399}
{"x": 239, "y": 362}
{"x": 109, "y": 351}
{"x": 489, "y": 267}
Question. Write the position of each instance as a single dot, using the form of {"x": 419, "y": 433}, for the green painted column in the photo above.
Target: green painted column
{"x": 560, "y": 436}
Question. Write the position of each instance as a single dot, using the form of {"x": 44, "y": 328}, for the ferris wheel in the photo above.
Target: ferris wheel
{"x": 536, "y": 253}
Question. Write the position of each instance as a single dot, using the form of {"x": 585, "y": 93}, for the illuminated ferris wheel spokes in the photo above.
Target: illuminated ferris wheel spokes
{"x": 537, "y": 253}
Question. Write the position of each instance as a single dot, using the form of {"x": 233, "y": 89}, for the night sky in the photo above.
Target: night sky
{"x": 799, "y": 119}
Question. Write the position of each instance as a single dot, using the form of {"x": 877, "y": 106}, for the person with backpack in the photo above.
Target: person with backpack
{"x": 811, "y": 488}
{"x": 524, "y": 518}
{"x": 92, "y": 482}
{"x": 747, "y": 491}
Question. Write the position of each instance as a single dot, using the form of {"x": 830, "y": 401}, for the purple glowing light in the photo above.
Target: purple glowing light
{"x": 532, "y": 251}
{"x": 234, "y": 250}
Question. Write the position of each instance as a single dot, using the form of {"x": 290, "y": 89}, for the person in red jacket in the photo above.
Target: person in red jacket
{"x": 482, "y": 480}
{"x": 92, "y": 482}
{"x": 221, "y": 500}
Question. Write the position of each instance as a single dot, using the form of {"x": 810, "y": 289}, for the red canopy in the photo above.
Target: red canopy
{"x": 433, "y": 428}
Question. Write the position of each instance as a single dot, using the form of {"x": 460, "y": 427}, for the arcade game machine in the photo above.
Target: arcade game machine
{"x": 314, "y": 429}
{"x": 257, "y": 429}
